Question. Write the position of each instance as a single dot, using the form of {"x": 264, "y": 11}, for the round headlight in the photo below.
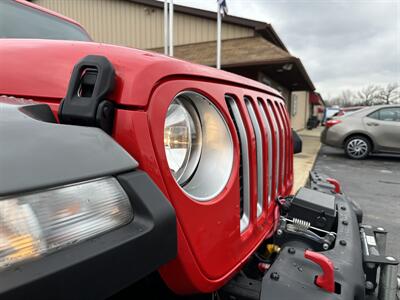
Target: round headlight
{"x": 198, "y": 146}
{"x": 182, "y": 141}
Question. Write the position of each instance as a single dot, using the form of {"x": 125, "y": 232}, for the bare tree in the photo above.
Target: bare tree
{"x": 340, "y": 101}
{"x": 390, "y": 94}
{"x": 332, "y": 101}
{"x": 369, "y": 95}
{"x": 346, "y": 98}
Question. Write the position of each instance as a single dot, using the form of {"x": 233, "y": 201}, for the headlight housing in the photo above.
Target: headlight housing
{"x": 182, "y": 141}
{"x": 38, "y": 223}
{"x": 198, "y": 146}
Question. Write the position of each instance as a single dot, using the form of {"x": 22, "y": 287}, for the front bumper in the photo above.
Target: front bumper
{"x": 354, "y": 257}
{"x": 102, "y": 266}
{"x": 310, "y": 266}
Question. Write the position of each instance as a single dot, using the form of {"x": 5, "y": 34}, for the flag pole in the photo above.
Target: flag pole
{"x": 219, "y": 37}
{"x": 166, "y": 29}
{"x": 171, "y": 28}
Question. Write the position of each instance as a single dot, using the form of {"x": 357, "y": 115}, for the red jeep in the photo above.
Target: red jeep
{"x": 123, "y": 162}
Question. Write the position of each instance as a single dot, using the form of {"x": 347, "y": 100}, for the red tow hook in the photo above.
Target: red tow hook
{"x": 336, "y": 184}
{"x": 325, "y": 281}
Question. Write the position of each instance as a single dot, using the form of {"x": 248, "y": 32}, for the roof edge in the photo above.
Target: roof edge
{"x": 291, "y": 59}
{"x": 264, "y": 29}
{"x": 303, "y": 71}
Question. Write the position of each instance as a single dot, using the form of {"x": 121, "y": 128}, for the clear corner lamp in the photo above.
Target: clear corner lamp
{"x": 38, "y": 223}
{"x": 198, "y": 146}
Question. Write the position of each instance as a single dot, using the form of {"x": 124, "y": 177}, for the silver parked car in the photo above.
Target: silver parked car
{"x": 372, "y": 129}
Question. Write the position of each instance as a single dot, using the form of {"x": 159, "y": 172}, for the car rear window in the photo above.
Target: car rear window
{"x": 386, "y": 114}
{"x": 21, "y": 21}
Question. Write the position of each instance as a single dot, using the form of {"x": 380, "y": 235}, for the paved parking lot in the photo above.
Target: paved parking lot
{"x": 374, "y": 183}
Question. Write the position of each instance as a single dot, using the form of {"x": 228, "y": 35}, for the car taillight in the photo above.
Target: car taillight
{"x": 330, "y": 123}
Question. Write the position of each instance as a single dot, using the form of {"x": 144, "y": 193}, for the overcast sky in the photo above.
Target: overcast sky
{"x": 342, "y": 44}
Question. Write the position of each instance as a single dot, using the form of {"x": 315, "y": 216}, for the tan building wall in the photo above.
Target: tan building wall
{"x": 300, "y": 109}
{"x": 130, "y": 24}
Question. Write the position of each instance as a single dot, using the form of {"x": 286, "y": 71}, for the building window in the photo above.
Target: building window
{"x": 294, "y": 104}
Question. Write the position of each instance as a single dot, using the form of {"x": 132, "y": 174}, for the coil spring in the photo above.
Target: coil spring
{"x": 300, "y": 225}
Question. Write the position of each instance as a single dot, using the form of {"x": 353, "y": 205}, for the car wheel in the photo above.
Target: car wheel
{"x": 357, "y": 147}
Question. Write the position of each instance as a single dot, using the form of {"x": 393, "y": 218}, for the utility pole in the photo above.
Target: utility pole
{"x": 169, "y": 27}
{"x": 166, "y": 29}
{"x": 219, "y": 37}
{"x": 221, "y": 12}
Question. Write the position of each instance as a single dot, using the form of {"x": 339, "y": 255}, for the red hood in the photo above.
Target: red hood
{"x": 42, "y": 68}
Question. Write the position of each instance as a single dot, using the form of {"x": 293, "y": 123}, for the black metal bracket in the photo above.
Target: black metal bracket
{"x": 92, "y": 80}
{"x": 373, "y": 241}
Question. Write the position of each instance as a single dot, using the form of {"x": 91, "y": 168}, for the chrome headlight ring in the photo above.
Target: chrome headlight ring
{"x": 198, "y": 146}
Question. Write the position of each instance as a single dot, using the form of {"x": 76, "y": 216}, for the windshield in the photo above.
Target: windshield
{"x": 24, "y": 22}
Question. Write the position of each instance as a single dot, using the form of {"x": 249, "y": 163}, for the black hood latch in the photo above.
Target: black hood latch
{"x": 92, "y": 80}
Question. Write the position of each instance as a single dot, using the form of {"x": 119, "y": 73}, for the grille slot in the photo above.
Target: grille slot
{"x": 260, "y": 152}
{"x": 276, "y": 145}
{"x": 288, "y": 145}
{"x": 289, "y": 159}
{"x": 283, "y": 130}
{"x": 270, "y": 145}
{"x": 244, "y": 159}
